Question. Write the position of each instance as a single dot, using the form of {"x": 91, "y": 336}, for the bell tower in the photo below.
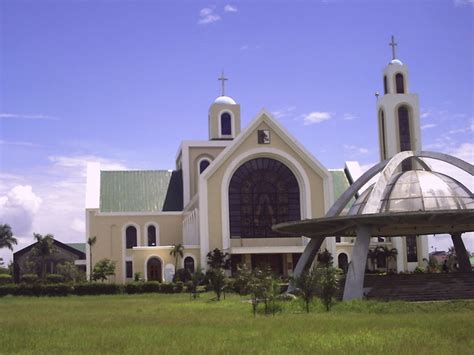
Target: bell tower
{"x": 398, "y": 112}
{"x": 224, "y": 116}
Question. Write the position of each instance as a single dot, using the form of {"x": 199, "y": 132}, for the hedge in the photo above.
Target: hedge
{"x": 83, "y": 289}
{"x": 5, "y": 279}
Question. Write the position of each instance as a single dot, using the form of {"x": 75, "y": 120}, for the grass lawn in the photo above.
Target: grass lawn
{"x": 159, "y": 323}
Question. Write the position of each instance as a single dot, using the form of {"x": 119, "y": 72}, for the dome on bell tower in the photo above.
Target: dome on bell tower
{"x": 226, "y": 100}
{"x": 224, "y": 116}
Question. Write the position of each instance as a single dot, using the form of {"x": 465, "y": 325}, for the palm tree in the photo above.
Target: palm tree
{"x": 177, "y": 251}
{"x": 43, "y": 249}
{"x": 6, "y": 237}
{"x": 372, "y": 256}
{"x": 91, "y": 241}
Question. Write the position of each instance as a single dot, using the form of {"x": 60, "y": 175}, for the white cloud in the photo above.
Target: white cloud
{"x": 207, "y": 16}
{"x": 29, "y": 117}
{"x": 354, "y": 150}
{"x": 230, "y": 8}
{"x": 284, "y": 112}
{"x": 349, "y": 116}
{"x": 425, "y": 114}
{"x": 49, "y": 200}
{"x": 244, "y": 47}
{"x": 428, "y": 125}
{"x": 460, "y": 3}
{"x": 78, "y": 225}
{"x": 18, "y": 208}
{"x": 316, "y": 117}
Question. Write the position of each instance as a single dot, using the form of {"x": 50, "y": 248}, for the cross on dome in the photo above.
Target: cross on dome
{"x": 223, "y": 79}
{"x": 393, "y": 44}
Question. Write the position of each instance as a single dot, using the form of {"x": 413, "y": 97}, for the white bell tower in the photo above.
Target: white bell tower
{"x": 398, "y": 112}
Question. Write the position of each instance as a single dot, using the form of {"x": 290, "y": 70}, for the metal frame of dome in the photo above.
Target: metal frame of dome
{"x": 364, "y": 226}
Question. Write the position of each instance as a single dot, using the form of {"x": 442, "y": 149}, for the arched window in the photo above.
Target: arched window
{"x": 189, "y": 264}
{"x": 405, "y": 134}
{"x": 262, "y": 192}
{"x": 382, "y": 135}
{"x": 131, "y": 237}
{"x": 151, "y": 231}
{"x": 342, "y": 262}
{"x": 385, "y": 86}
{"x": 203, "y": 164}
{"x": 400, "y": 83}
{"x": 226, "y": 124}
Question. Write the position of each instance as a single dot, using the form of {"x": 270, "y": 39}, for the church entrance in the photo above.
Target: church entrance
{"x": 154, "y": 270}
{"x": 275, "y": 261}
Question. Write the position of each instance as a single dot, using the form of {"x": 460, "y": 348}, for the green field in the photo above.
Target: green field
{"x": 173, "y": 324}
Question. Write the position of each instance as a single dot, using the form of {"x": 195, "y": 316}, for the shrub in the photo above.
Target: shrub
{"x": 8, "y": 290}
{"x": 133, "y": 288}
{"x": 167, "y": 288}
{"x": 29, "y": 278}
{"x": 151, "y": 287}
{"x": 5, "y": 279}
{"x": 419, "y": 270}
{"x": 182, "y": 275}
{"x": 137, "y": 276}
{"x": 179, "y": 287}
{"x": 70, "y": 272}
{"x": 55, "y": 290}
{"x": 97, "y": 289}
{"x": 54, "y": 278}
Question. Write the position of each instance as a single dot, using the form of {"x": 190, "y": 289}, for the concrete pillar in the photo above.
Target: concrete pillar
{"x": 306, "y": 259}
{"x": 354, "y": 288}
{"x": 398, "y": 244}
{"x": 461, "y": 253}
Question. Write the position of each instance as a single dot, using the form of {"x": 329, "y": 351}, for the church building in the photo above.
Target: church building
{"x": 227, "y": 192}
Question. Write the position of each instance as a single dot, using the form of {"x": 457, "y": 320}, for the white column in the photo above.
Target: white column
{"x": 397, "y": 243}
{"x": 354, "y": 288}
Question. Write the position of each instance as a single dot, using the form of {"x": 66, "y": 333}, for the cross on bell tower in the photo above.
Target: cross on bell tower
{"x": 393, "y": 44}
{"x": 223, "y": 79}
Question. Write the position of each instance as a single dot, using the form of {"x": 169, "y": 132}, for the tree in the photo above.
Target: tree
{"x": 325, "y": 258}
{"x": 91, "y": 241}
{"x": 43, "y": 249}
{"x": 7, "y": 240}
{"x": 372, "y": 256}
{"x": 306, "y": 286}
{"x": 176, "y": 252}
{"x": 216, "y": 259}
{"x": 70, "y": 272}
{"x": 327, "y": 284}
{"x": 103, "y": 269}
{"x": 197, "y": 278}
{"x": 217, "y": 280}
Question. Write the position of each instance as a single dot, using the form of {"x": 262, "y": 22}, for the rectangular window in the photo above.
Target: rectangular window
{"x": 412, "y": 252}
{"x": 129, "y": 269}
{"x": 338, "y": 239}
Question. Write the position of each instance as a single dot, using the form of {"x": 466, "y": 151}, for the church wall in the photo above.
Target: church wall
{"x": 214, "y": 184}
{"x": 195, "y": 154}
{"x": 110, "y": 233}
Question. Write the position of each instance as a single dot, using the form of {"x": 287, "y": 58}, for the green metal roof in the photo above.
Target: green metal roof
{"x": 78, "y": 246}
{"x": 141, "y": 191}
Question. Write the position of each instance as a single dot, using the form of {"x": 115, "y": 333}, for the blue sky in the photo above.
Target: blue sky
{"x": 123, "y": 82}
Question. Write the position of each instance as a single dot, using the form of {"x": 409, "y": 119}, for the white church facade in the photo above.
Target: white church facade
{"x": 227, "y": 192}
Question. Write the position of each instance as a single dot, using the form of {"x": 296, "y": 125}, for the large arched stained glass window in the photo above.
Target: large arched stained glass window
{"x": 262, "y": 192}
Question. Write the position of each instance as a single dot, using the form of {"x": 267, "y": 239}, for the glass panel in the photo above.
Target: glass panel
{"x": 131, "y": 237}
{"x": 399, "y": 81}
{"x": 151, "y": 236}
{"x": 203, "y": 165}
{"x": 262, "y": 192}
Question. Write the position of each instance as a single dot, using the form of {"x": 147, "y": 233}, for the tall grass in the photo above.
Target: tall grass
{"x": 175, "y": 324}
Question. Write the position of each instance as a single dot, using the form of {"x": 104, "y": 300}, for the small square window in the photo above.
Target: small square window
{"x": 263, "y": 136}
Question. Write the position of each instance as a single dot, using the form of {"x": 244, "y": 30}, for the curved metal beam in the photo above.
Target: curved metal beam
{"x": 312, "y": 248}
